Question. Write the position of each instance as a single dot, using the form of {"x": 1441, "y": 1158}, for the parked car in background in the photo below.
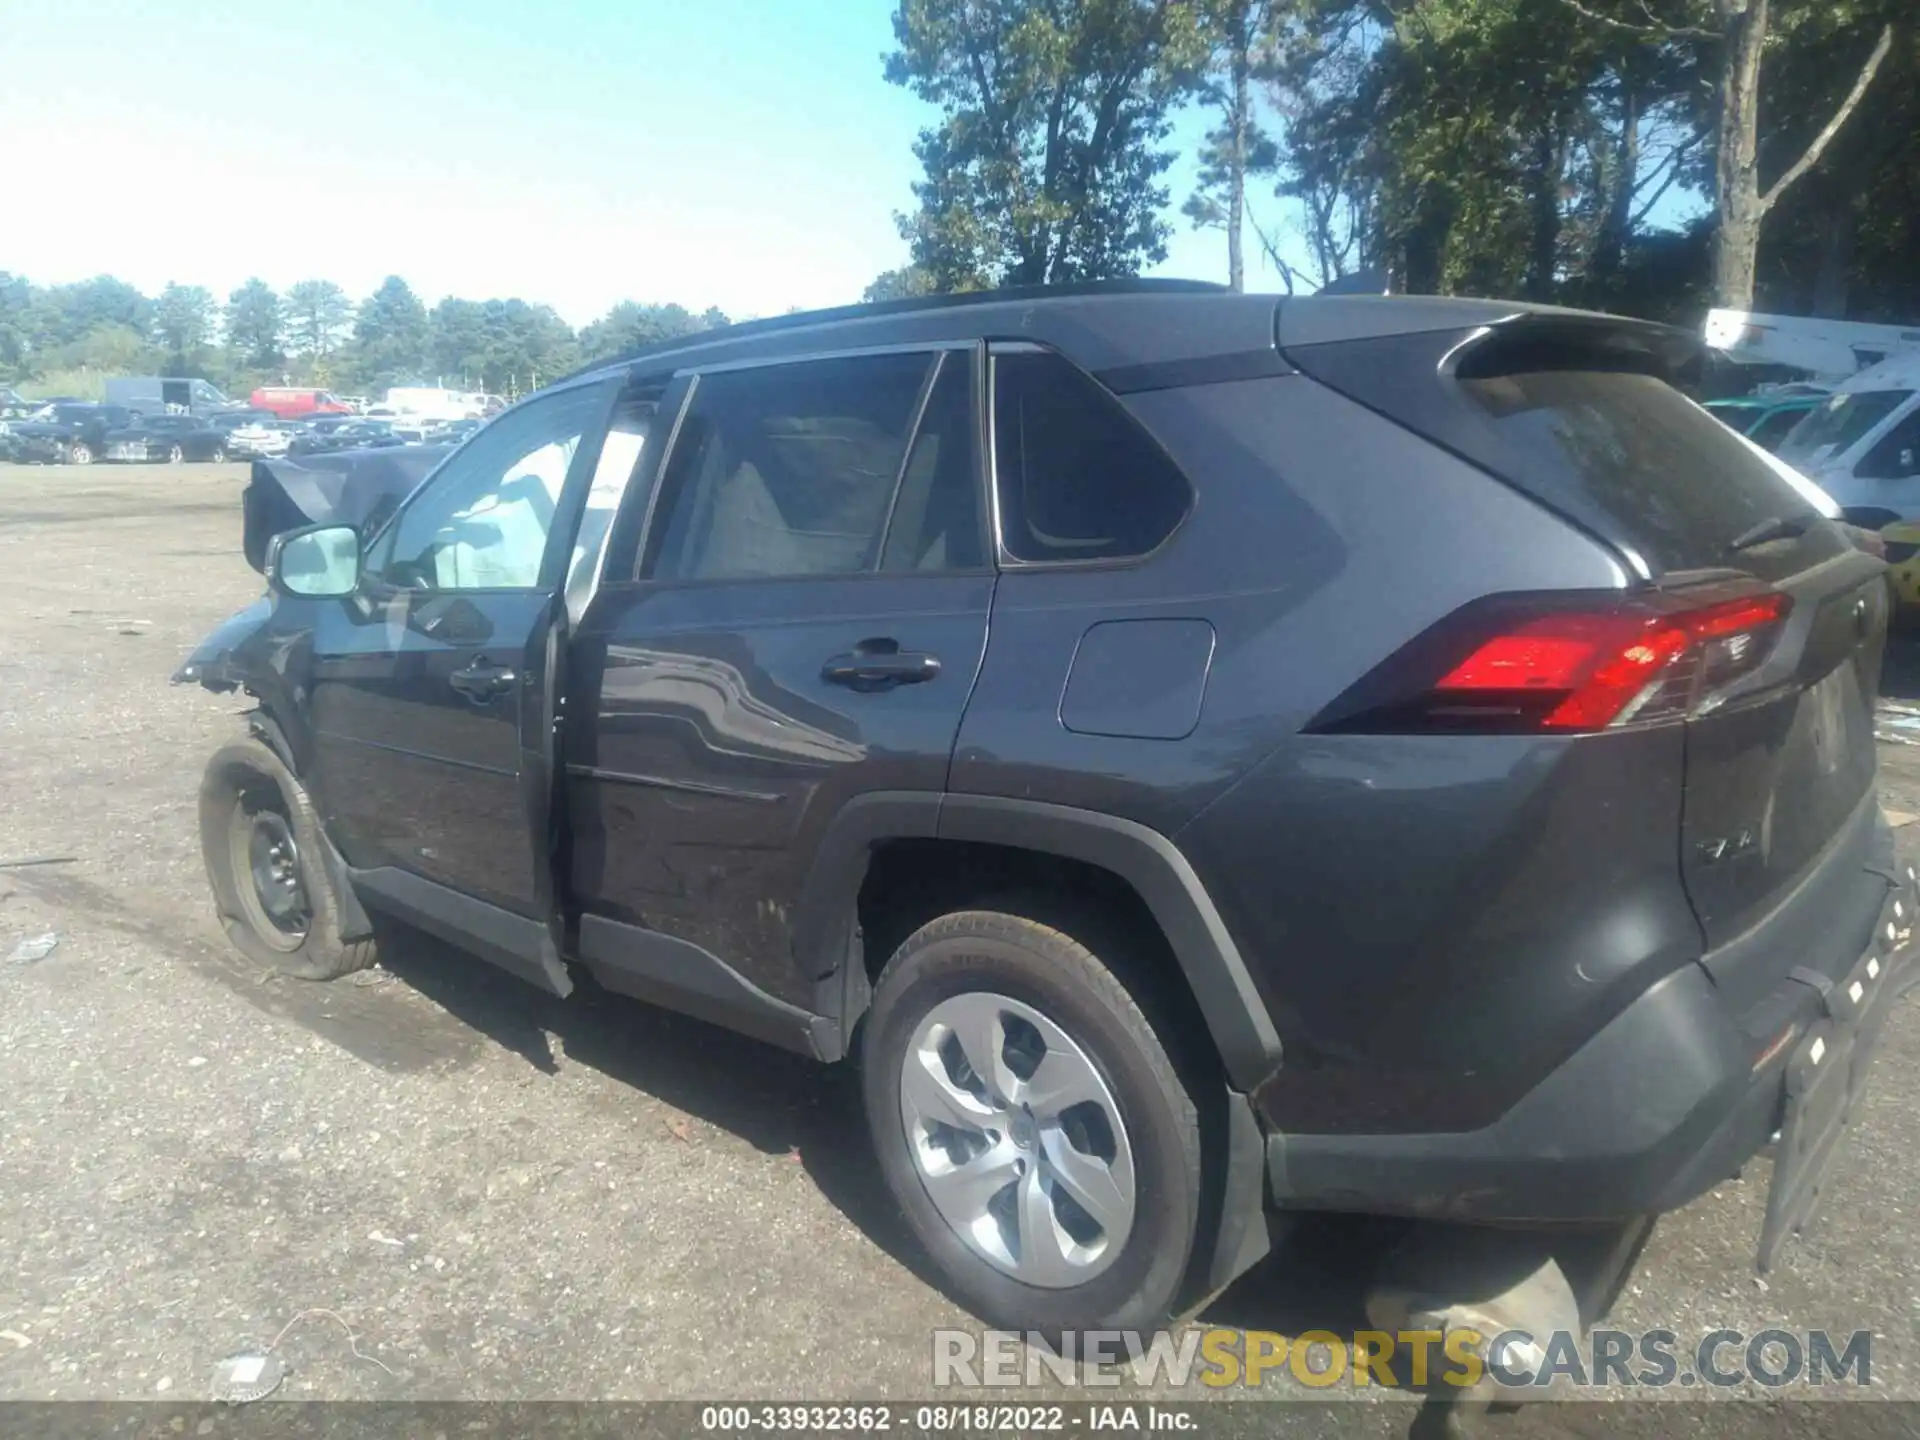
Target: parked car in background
{"x": 261, "y": 438}
{"x": 157, "y": 394}
{"x": 1862, "y": 444}
{"x": 290, "y": 402}
{"x": 169, "y": 438}
{"x": 1765, "y": 419}
{"x": 231, "y": 420}
{"x": 13, "y": 406}
{"x": 66, "y": 432}
{"x": 434, "y": 402}
{"x": 453, "y": 432}
{"x": 351, "y": 434}
{"x": 356, "y": 403}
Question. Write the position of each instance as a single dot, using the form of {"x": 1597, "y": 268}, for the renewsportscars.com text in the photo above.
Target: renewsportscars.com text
{"x": 1416, "y": 1359}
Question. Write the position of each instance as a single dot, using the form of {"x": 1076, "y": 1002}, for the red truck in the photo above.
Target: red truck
{"x": 290, "y": 402}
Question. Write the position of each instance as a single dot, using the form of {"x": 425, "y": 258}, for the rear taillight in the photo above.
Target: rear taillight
{"x": 1550, "y": 663}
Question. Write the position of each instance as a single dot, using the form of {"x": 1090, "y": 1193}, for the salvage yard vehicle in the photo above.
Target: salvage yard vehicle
{"x": 293, "y": 402}
{"x": 170, "y": 438}
{"x": 1765, "y": 419}
{"x": 65, "y": 432}
{"x": 349, "y": 433}
{"x": 1862, "y": 445}
{"x": 1032, "y": 695}
{"x": 260, "y": 437}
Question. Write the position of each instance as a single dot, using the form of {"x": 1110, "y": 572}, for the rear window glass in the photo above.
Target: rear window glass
{"x": 1677, "y": 480}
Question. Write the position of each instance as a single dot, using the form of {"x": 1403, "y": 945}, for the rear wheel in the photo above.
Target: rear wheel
{"x": 265, "y": 860}
{"x": 1031, "y": 1124}
{"x": 175, "y": 455}
{"x": 218, "y": 455}
{"x": 79, "y": 453}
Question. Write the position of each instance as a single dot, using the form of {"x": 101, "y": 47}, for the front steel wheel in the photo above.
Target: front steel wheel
{"x": 267, "y": 855}
{"x": 267, "y": 862}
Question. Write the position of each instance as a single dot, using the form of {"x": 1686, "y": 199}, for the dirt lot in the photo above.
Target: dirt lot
{"x": 508, "y": 1197}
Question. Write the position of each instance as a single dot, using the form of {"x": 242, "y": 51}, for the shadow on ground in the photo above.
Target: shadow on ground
{"x": 781, "y": 1104}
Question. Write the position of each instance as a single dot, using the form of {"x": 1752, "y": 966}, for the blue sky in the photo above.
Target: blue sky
{"x": 739, "y": 153}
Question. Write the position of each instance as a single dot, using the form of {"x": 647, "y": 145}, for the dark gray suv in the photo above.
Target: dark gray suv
{"x": 1204, "y": 755}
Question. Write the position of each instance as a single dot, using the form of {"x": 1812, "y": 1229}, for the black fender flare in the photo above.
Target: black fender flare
{"x": 354, "y": 924}
{"x": 824, "y": 936}
{"x": 1235, "y": 1230}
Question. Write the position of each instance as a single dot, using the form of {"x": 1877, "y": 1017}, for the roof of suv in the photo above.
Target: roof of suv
{"x": 1139, "y": 333}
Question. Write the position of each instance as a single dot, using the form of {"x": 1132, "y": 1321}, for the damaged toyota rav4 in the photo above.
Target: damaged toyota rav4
{"x": 1205, "y": 756}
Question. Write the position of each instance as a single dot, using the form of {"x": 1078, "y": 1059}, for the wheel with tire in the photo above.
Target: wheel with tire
{"x": 265, "y": 859}
{"x": 175, "y": 455}
{"x": 217, "y": 455}
{"x": 79, "y": 453}
{"x": 1032, "y": 1125}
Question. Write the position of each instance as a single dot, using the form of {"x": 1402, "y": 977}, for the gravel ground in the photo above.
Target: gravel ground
{"x": 501, "y": 1196}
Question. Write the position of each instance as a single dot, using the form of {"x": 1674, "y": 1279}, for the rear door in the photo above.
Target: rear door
{"x": 808, "y": 616}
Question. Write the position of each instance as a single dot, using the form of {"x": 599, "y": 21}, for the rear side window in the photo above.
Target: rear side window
{"x": 786, "y": 470}
{"x": 1674, "y": 478}
{"x": 1078, "y": 478}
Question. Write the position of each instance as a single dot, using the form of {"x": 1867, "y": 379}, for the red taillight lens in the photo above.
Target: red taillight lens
{"x": 1551, "y": 663}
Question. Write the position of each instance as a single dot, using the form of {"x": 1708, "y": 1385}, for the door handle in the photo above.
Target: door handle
{"x": 880, "y": 665}
{"x": 482, "y": 680}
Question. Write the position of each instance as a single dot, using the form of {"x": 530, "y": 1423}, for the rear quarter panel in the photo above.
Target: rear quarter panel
{"x": 1414, "y": 910}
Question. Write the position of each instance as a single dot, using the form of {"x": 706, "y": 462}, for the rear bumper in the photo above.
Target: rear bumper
{"x": 1670, "y": 1098}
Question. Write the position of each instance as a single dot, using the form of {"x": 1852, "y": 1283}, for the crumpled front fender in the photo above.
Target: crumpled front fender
{"x": 217, "y": 662}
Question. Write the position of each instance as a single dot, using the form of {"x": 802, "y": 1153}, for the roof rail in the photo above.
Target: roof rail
{"x": 801, "y": 318}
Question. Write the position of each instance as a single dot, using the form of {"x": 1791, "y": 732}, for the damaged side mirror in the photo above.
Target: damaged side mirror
{"x": 317, "y": 563}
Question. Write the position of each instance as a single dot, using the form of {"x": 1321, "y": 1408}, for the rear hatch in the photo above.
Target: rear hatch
{"x": 1578, "y": 412}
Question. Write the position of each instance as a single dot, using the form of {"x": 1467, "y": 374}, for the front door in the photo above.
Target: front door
{"x": 431, "y": 685}
{"x": 809, "y": 614}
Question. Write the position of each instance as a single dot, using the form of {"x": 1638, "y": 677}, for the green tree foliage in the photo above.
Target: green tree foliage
{"x": 1047, "y": 165}
{"x": 184, "y": 319}
{"x": 318, "y": 316}
{"x": 503, "y": 346}
{"x": 905, "y": 283}
{"x": 68, "y": 312}
{"x": 391, "y": 339}
{"x": 1520, "y": 145}
{"x": 255, "y": 321}
{"x": 630, "y": 325}
{"x": 16, "y": 327}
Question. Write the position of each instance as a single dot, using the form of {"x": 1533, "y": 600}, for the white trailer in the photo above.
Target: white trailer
{"x": 1827, "y": 350}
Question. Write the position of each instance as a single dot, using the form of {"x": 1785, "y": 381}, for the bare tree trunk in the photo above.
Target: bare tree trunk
{"x": 1237, "y": 160}
{"x": 1742, "y": 204}
{"x": 1736, "y": 178}
{"x": 1544, "y": 205}
{"x": 1616, "y": 225}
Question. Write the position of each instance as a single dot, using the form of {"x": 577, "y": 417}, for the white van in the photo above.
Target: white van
{"x": 1863, "y": 445}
